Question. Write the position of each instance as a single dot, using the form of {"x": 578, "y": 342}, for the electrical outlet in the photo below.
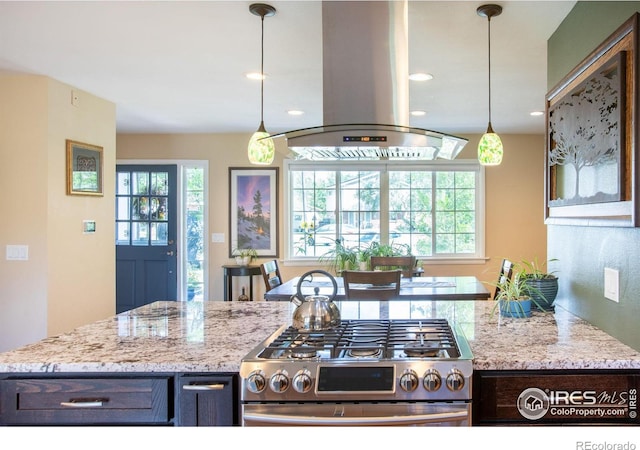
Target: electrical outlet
{"x": 217, "y": 237}
{"x": 611, "y": 284}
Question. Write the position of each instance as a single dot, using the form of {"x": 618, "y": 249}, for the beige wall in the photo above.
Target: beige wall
{"x": 68, "y": 279}
{"x": 514, "y": 206}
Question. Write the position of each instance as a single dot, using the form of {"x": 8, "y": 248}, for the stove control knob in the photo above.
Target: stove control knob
{"x": 409, "y": 381}
{"x": 302, "y": 381}
{"x": 279, "y": 381}
{"x": 432, "y": 380}
{"x": 256, "y": 382}
{"x": 455, "y": 380}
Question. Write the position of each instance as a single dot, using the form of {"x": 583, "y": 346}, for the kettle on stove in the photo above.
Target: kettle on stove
{"x": 315, "y": 312}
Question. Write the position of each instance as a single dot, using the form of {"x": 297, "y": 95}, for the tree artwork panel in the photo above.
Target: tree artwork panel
{"x": 586, "y": 129}
{"x": 253, "y": 210}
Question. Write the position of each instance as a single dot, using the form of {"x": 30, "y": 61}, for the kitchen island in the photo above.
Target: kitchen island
{"x": 170, "y": 340}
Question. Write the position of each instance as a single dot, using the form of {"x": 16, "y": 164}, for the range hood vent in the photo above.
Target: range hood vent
{"x": 366, "y": 87}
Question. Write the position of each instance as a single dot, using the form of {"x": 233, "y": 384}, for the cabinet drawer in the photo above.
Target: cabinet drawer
{"x": 84, "y": 401}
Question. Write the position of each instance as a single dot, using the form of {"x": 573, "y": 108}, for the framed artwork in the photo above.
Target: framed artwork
{"x": 253, "y": 210}
{"x": 590, "y": 169}
{"x": 84, "y": 169}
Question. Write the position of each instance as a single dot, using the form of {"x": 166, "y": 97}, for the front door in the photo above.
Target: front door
{"x": 146, "y": 218}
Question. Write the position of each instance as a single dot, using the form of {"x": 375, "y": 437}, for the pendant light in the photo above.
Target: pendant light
{"x": 490, "y": 146}
{"x": 261, "y": 148}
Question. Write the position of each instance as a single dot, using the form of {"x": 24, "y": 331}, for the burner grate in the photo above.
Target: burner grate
{"x": 377, "y": 339}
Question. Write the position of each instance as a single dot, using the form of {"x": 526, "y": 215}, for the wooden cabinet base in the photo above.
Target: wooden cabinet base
{"x": 556, "y": 397}
{"x": 207, "y": 400}
{"x": 85, "y": 401}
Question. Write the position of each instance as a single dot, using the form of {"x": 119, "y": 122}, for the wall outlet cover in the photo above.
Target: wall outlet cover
{"x": 611, "y": 284}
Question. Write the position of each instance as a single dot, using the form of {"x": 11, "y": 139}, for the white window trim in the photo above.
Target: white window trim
{"x": 462, "y": 164}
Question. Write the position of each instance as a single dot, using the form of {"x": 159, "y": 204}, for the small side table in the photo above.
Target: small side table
{"x": 238, "y": 271}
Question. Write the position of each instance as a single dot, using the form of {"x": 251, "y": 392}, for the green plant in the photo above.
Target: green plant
{"x": 378, "y": 249}
{"x": 513, "y": 292}
{"x": 250, "y": 253}
{"x": 535, "y": 270}
{"x": 363, "y": 256}
{"x": 340, "y": 258}
{"x": 542, "y": 283}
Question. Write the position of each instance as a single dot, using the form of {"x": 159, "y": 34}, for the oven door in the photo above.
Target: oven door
{"x": 357, "y": 414}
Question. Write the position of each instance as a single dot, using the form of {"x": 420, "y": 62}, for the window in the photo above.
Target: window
{"x": 435, "y": 209}
{"x": 194, "y": 235}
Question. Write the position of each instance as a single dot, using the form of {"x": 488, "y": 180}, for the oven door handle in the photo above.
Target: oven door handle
{"x": 413, "y": 419}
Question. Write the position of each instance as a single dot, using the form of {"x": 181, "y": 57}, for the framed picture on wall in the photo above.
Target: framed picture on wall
{"x": 590, "y": 169}
{"x": 84, "y": 168}
{"x": 253, "y": 210}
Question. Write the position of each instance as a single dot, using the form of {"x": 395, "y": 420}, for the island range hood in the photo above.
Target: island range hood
{"x": 366, "y": 90}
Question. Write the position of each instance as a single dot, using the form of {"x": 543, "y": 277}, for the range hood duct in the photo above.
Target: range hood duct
{"x": 366, "y": 90}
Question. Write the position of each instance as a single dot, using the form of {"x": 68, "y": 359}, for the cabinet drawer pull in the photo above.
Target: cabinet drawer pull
{"x": 84, "y": 403}
{"x": 203, "y": 387}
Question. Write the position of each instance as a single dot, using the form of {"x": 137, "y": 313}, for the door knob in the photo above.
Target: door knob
{"x": 170, "y": 253}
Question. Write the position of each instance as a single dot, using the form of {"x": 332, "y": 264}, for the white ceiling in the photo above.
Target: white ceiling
{"x": 179, "y": 66}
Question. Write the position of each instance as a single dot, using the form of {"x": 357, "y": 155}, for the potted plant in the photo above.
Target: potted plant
{"x": 513, "y": 298}
{"x": 363, "y": 256}
{"x": 340, "y": 258}
{"x": 244, "y": 256}
{"x": 543, "y": 285}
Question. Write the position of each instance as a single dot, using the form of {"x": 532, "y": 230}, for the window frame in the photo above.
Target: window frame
{"x": 467, "y": 165}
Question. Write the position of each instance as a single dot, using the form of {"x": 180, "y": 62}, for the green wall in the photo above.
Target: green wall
{"x": 584, "y": 252}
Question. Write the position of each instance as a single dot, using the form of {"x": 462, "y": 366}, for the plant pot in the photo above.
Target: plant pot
{"x": 363, "y": 265}
{"x": 242, "y": 260}
{"x": 544, "y": 291}
{"x": 515, "y": 308}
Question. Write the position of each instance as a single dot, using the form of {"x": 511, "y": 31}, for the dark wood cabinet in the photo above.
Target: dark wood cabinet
{"x": 556, "y": 397}
{"x": 85, "y": 401}
{"x": 207, "y": 400}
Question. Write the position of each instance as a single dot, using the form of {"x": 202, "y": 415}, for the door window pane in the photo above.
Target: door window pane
{"x": 122, "y": 208}
{"x": 159, "y": 233}
{"x": 122, "y": 233}
{"x": 140, "y": 183}
{"x": 140, "y": 233}
{"x": 160, "y": 183}
{"x": 140, "y": 208}
{"x": 123, "y": 183}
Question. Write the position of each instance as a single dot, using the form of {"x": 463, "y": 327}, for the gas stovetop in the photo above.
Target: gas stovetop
{"x": 361, "y": 360}
{"x": 377, "y": 339}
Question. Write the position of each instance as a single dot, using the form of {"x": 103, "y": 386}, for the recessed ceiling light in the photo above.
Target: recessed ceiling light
{"x": 418, "y": 113}
{"x": 295, "y": 112}
{"x": 536, "y": 113}
{"x": 420, "y": 76}
{"x": 255, "y": 76}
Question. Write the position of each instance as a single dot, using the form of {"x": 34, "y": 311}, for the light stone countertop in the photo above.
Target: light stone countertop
{"x": 167, "y": 337}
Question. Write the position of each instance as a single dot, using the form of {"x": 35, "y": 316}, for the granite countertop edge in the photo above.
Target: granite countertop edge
{"x": 213, "y": 337}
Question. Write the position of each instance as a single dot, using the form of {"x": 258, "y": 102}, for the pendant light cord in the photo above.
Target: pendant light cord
{"x": 262, "y": 73}
{"x": 489, "y": 39}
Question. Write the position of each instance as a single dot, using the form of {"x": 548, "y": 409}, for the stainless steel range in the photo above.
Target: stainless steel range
{"x": 361, "y": 372}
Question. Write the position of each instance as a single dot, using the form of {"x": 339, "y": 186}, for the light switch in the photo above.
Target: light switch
{"x": 17, "y": 252}
{"x": 611, "y": 284}
{"x": 217, "y": 237}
